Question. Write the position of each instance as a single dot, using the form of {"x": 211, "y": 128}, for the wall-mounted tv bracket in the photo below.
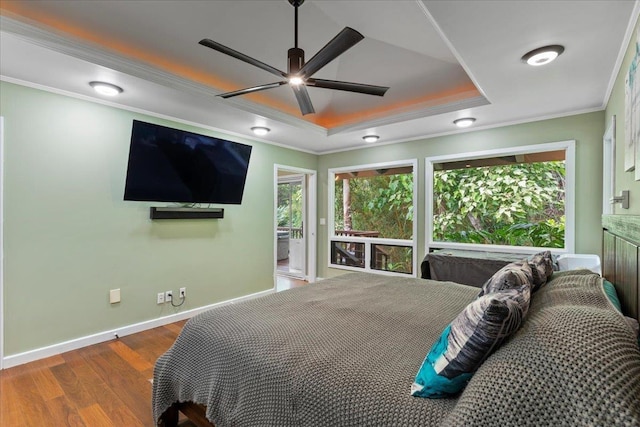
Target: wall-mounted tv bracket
{"x": 623, "y": 199}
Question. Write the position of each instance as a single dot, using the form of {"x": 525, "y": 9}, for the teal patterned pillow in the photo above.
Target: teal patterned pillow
{"x": 612, "y": 295}
{"x": 472, "y": 336}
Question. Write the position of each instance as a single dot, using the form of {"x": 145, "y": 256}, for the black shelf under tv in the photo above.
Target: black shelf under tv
{"x": 185, "y": 213}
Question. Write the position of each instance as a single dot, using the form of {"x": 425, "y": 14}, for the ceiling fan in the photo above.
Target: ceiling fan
{"x": 299, "y": 73}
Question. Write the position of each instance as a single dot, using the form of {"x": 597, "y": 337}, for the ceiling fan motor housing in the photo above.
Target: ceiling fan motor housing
{"x": 296, "y": 60}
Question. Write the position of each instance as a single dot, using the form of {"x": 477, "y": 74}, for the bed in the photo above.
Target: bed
{"x": 345, "y": 351}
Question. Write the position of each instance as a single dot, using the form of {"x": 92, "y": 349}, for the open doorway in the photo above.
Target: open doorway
{"x": 295, "y": 230}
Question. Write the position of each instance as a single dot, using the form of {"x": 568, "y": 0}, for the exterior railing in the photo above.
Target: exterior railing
{"x": 294, "y": 233}
{"x": 350, "y": 253}
{"x": 357, "y": 233}
{"x": 353, "y": 254}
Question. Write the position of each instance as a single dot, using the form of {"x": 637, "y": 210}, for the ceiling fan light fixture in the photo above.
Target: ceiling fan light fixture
{"x": 295, "y": 80}
{"x": 370, "y": 138}
{"x": 543, "y": 55}
{"x": 106, "y": 89}
{"x": 464, "y": 122}
{"x": 260, "y": 130}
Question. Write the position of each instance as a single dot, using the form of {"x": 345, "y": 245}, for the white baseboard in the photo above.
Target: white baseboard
{"x": 74, "y": 344}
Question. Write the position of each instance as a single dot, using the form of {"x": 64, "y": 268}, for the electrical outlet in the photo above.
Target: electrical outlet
{"x": 168, "y": 296}
{"x": 183, "y": 293}
{"x": 160, "y": 298}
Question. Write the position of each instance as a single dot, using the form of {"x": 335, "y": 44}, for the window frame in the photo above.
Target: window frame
{"x": 569, "y": 234}
{"x": 368, "y": 241}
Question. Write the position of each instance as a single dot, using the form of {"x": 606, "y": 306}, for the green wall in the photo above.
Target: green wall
{"x": 69, "y": 237}
{"x": 615, "y": 107}
{"x": 586, "y": 129}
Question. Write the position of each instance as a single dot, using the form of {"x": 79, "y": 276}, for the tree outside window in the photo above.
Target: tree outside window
{"x": 509, "y": 200}
{"x": 376, "y": 203}
{"x": 289, "y": 205}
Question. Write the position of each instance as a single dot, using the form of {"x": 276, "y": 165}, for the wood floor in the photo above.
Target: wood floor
{"x": 106, "y": 384}
{"x": 285, "y": 282}
{"x": 102, "y": 385}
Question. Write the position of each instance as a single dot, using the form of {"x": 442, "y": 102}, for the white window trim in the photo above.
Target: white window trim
{"x": 569, "y": 234}
{"x": 369, "y": 240}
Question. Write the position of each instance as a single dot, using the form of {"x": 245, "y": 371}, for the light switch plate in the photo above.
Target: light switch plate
{"x": 114, "y": 296}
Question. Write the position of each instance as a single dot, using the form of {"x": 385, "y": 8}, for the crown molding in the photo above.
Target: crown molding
{"x": 633, "y": 20}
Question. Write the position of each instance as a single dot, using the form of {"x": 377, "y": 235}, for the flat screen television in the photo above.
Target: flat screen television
{"x": 171, "y": 165}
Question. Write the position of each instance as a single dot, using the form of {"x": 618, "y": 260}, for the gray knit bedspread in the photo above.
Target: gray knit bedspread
{"x": 344, "y": 352}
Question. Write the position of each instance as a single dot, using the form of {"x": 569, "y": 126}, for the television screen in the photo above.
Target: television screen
{"x": 171, "y": 165}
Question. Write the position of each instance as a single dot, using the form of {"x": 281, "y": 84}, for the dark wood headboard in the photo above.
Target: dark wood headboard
{"x": 621, "y": 239}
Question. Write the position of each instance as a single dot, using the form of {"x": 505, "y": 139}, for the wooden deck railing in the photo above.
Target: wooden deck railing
{"x": 357, "y": 233}
{"x": 349, "y": 253}
{"x": 352, "y": 253}
{"x": 294, "y": 233}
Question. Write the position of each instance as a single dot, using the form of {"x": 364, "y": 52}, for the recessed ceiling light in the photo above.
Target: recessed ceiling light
{"x": 543, "y": 55}
{"x": 260, "y": 130}
{"x": 370, "y": 138}
{"x": 465, "y": 122}
{"x": 106, "y": 89}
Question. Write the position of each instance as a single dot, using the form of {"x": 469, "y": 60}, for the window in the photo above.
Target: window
{"x": 371, "y": 217}
{"x": 518, "y": 199}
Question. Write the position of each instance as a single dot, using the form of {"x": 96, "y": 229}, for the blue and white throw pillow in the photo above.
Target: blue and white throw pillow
{"x": 542, "y": 268}
{"x": 516, "y": 275}
{"x": 512, "y": 275}
{"x": 472, "y": 336}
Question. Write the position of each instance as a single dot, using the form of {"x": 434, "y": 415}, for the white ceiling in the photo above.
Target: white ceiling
{"x": 441, "y": 59}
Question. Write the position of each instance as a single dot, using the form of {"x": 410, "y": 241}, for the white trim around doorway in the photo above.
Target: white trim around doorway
{"x": 311, "y": 220}
{"x": 1, "y": 243}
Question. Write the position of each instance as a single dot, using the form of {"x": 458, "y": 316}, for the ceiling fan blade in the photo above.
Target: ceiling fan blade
{"x": 345, "y": 39}
{"x": 348, "y": 86}
{"x": 251, "y": 89}
{"x": 303, "y": 99}
{"x": 241, "y": 56}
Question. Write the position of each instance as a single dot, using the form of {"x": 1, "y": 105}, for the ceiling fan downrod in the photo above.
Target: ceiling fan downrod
{"x": 295, "y": 55}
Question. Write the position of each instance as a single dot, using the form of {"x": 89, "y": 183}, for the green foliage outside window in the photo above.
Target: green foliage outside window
{"x": 380, "y": 203}
{"x": 517, "y": 205}
{"x": 289, "y": 209}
